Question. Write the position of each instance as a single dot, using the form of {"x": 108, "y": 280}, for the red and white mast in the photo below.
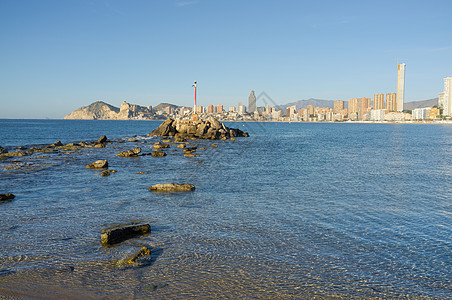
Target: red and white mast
{"x": 194, "y": 108}
{"x": 195, "y": 116}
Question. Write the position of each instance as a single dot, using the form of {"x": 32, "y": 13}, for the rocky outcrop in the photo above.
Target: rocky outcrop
{"x": 130, "y": 153}
{"x": 121, "y": 233}
{"x": 102, "y": 111}
{"x": 98, "y": 164}
{"x": 102, "y": 139}
{"x": 203, "y": 129}
{"x": 6, "y": 197}
{"x": 172, "y": 187}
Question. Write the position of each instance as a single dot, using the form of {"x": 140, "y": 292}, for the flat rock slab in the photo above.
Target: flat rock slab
{"x": 172, "y": 187}
{"x": 6, "y": 197}
{"x": 130, "y": 153}
{"x": 119, "y": 234}
{"x": 98, "y": 164}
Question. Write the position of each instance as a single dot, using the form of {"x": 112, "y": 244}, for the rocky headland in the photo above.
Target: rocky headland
{"x": 102, "y": 111}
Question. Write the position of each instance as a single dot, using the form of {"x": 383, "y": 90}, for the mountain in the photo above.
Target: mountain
{"x": 102, "y": 111}
{"x": 420, "y": 104}
{"x": 162, "y": 106}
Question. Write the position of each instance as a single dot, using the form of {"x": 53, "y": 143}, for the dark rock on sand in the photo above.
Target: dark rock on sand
{"x": 98, "y": 164}
{"x": 130, "y": 153}
{"x": 172, "y": 187}
{"x": 3, "y": 150}
{"x": 119, "y": 234}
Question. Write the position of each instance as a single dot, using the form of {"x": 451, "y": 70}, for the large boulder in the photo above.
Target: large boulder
{"x": 121, "y": 233}
{"x": 165, "y": 129}
{"x": 3, "y": 150}
{"x": 130, "y": 153}
{"x": 172, "y": 187}
{"x": 98, "y": 164}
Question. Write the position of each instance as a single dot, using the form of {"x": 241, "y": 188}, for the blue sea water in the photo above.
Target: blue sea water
{"x": 297, "y": 210}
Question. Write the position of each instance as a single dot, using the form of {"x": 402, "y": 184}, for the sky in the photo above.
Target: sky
{"x": 57, "y": 56}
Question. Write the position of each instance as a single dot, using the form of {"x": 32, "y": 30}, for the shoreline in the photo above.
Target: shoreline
{"x": 270, "y": 121}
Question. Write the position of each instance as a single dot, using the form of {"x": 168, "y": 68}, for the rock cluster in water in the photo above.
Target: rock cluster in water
{"x": 202, "y": 129}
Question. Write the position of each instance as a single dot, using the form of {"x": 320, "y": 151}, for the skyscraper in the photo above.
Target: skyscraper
{"x": 400, "y": 86}
{"x": 447, "y": 109}
{"x": 338, "y": 107}
{"x": 379, "y": 101}
{"x": 252, "y": 102}
{"x": 391, "y": 101}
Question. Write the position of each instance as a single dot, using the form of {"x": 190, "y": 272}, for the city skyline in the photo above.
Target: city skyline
{"x": 150, "y": 52}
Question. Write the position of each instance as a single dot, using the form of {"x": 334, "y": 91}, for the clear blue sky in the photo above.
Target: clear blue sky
{"x": 56, "y": 56}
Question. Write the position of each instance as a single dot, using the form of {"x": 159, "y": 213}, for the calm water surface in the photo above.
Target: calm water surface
{"x": 294, "y": 211}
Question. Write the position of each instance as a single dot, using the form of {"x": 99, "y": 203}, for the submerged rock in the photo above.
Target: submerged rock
{"x": 160, "y": 145}
{"x": 119, "y": 234}
{"x": 98, "y": 164}
{"x": 107, "y": 172}
{"x": 144, "y": 251}
{"x": 7, "y": 197}
{"x": 158, "y": 154}
{"x": 17, "y": 153}
{"x": 172, "y": 187}
{"x": 130, "y": 153}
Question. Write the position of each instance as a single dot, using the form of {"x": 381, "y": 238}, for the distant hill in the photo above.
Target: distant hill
{"x": 162, "y": 106}
{"x": 420, "y": 104}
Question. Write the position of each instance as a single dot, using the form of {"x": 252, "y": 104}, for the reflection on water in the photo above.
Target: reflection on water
{"x": 294, "y": 211}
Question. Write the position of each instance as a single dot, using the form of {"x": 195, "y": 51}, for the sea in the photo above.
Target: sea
{"x": 295, "y": 211}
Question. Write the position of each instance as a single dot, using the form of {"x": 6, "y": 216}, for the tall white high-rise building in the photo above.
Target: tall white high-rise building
{"x": 400, "y": 86}
{"x": 252, "y": 102}
{"x": 447, "y": 96}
